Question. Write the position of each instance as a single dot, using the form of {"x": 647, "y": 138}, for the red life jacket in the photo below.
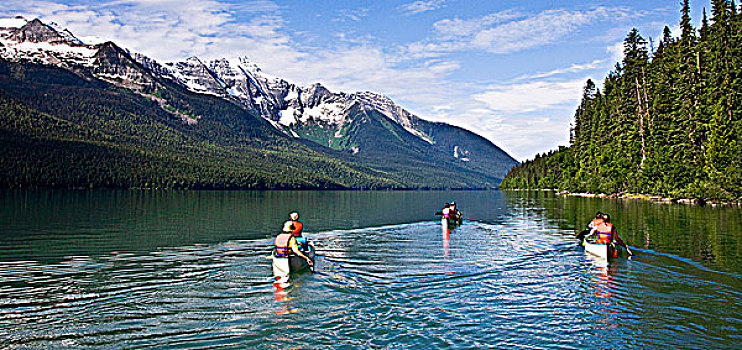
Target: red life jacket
{"x": 298, "y": 227}
{"x": 604, "y": 231}
{"x": 281, "y": 244}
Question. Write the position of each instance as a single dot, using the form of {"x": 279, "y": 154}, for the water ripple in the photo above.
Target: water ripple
{"x": 513, "y": 284}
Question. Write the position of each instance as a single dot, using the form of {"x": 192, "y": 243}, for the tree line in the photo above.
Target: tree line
{"x": 666, "y": 122}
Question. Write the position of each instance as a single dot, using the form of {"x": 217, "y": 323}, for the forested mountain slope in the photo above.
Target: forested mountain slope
{"x": 666, "y": 122}
{"x": 77, "y": 115}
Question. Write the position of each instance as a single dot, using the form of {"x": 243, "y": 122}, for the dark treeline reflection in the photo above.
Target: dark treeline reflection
{"x": 44, "y": 224}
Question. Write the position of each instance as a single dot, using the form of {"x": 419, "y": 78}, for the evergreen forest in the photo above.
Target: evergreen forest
{"x": 63, "y": 128}
{"x": 665, "y": 122}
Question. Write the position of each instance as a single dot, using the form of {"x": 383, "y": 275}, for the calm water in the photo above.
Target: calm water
{"x": 189, "y": 270}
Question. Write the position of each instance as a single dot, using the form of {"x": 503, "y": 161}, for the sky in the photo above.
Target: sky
{"x": 511, "y": 71}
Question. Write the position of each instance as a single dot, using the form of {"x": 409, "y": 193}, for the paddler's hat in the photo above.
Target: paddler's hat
{"x": 294, "y": 216}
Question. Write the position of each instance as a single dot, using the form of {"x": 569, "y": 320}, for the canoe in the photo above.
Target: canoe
{"x": 602, "y": 250}
{"x": 282, "y": 267}
{"x": 599, "y": 250}
{"x": 299, "y": 264}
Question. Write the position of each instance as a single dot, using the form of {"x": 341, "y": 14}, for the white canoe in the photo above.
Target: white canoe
{"x": 599, "y": 250}
{"x": 603, "y": 250}
{"x": 282, "y": 267}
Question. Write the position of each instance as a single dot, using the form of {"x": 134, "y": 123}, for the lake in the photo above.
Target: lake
{"x": 189, "y": 270}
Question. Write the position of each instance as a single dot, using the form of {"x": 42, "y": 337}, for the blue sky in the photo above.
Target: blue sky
{"x": 511, "y": 71}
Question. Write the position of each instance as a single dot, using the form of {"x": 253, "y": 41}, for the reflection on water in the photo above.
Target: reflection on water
{"x": 446, "y": 238}
{"x": 602, "y": 283}
{"x": 511, "y": 277}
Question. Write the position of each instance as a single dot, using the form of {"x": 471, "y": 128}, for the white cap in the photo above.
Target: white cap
{"x": 294, "y": 216}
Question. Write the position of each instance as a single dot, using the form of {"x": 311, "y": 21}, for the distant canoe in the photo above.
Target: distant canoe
{"x": 455, "y": 222}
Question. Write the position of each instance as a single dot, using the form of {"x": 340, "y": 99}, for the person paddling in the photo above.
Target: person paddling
{"x": 606, "y": 233}
{"x": 590, "y": 225}
{"x": 446, "y": 212}
{"x": 596, "y": 221}
{"x": 454, "y": 213}
{"x": 285, "y": 245}
{"x": 297, "y": 228}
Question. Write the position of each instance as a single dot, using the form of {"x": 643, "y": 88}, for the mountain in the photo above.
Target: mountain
{"x": 210, "y": 124}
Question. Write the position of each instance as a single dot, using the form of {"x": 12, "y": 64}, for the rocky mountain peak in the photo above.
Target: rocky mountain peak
{"x": 317, "y": 94}
{"x": 196, "y": 76}
{"x": 36, "y": 32}
{"x": 115, "y": 65}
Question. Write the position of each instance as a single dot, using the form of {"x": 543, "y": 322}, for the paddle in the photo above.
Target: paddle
{"x": 582, "y": 234}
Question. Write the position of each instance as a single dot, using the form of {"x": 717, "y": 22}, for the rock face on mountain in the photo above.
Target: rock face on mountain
{"x": 37, "y": 32}
{"x": 363, "y": 127}
{"x": 196, "y": 76}
{"x": 115, "y": 65}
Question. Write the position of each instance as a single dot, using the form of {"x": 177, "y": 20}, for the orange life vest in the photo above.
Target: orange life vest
{"x": 604, "y": 231}
{"x": 281, "y": 244}
{"x": 298, "y": 227}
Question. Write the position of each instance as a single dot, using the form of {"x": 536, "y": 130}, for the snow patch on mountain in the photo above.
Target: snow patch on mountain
{"x": 65, "y": 33}
{"x": 330, "y": 113}
{"x": 288, "y": 116}
{"x": 460, "y": 154}
{"x": 45, "y": 53}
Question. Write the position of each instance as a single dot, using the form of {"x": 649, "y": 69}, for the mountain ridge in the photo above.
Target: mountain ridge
{"x": 364, "y": 128}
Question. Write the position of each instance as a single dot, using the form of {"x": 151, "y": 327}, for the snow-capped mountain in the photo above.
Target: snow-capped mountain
{"x": 287, "y": 106}
{"x": 36, "y": 42}
{"x": 361, "y": 123}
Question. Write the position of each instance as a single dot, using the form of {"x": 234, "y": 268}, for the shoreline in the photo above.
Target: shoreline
{"x": 653, "y": 198}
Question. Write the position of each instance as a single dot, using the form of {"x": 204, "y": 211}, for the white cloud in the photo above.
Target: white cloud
{"x": 523, "y": 117}
{"x": 616, "y": 52}
{"x": 456, "y": 28}
{"x": 508, "y": 31}
{"x": 166, "y": 29}
{"x": 573, "y": 68}
{"x": 422, "y": 6}
{"x": 354, "y": 15}
{"x": 532, "y": 96}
